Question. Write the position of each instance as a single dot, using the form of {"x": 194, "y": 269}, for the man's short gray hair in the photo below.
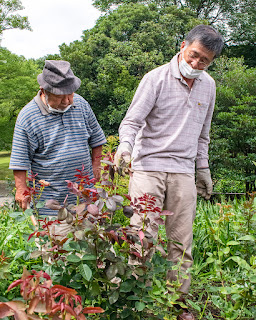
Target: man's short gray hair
{"x": 210, "y": 38}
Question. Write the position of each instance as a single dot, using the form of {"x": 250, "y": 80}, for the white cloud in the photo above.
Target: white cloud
{"x": 53, "y": 22}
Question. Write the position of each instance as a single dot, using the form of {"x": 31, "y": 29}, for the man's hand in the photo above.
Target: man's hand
{"x": 123, "y": 155}
{"x": 204, "y": 183}
{"x": 96, "y": 164}
{"x": 22, "y": 200}
{"x": 21, "y": 187}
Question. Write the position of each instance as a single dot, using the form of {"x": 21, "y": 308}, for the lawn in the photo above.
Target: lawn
{"x": 4, "y": 164}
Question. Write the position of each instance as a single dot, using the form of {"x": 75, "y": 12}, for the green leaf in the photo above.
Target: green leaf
{"x": 193, "y": 305}
{"x": 140, "y": 305}
{"x": 111, "y": 271}
{"x": 233, "y": 243}
{"x": 40, "y": 204}
{"x": 95, "y": 289}
{"x": 73, "y": 258}
{"x": 226, "y": 250}
{"x": 139, "y": 271}
{"x": 247, "y": 238}
{"x": 148, "y": 299}
{"x": 125, "y": 313}
{"x": 89, "y": 257}
{"x": 210, "y": 260}
{"x": 113, "y": 297}
{"x": 253, "y": 278}
{"x": 74, "y": 245}
{"x": 132, "y": 297}
{"x": 241, "y": 262}
{"x": 29, "y": 212}
{"x": 126, "y": 286}
{"x": 85, "y": 271}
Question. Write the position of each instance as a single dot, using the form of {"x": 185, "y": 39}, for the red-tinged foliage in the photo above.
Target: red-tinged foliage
{"x": 3, "y": 259}
{"x": 13, "y": 308}
{"x": 58, "y": 302}
{"x": 136, "y": 254}
{"x": 32, "y": 177}
{"x": 93, "y": 310}
{"x": 141, "y": 235}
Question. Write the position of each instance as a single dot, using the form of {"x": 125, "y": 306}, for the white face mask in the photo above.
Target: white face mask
{"x": 59, "y": 110}
{"x": 187, "y": 71}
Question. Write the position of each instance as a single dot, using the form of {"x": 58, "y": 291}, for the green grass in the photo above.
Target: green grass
{"x": 4, "y": 164}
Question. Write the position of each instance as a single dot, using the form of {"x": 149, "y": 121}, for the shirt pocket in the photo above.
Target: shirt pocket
{"x": 200, "y": 112}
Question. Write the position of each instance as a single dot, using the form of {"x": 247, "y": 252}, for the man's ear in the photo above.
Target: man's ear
{"x": 182, "y": 46}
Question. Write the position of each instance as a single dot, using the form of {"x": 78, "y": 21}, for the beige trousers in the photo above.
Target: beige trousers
{"x": 175, "y": 192}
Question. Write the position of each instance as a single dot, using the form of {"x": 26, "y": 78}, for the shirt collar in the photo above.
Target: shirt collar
{"x": 43, "y": 107}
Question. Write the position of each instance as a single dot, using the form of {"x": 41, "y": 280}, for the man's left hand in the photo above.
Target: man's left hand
{"x": 96, "y": 172}
{"x": 204, "y": 183}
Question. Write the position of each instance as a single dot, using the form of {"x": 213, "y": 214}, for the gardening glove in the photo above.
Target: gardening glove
{"x": 123, "y": 155}
{"x": 204, "y": 183}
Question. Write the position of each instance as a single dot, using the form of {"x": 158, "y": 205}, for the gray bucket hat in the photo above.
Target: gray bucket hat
{"x": 58, "y": 78}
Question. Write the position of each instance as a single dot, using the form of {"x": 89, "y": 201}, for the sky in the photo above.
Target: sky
{"x": 53, "y": 22}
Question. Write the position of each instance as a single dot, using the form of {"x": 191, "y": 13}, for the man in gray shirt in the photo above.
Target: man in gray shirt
{"x": 165, "y": 132}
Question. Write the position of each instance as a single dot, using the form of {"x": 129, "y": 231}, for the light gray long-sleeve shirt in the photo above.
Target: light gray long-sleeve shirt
{"x": 168, "y": 123}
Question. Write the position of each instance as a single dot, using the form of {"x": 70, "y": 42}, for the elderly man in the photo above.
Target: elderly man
{"x": 53, "y": 136}
{"x": 165, "y": 131}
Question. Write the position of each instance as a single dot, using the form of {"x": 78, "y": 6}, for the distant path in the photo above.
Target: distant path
{"x": 4, "y": 193}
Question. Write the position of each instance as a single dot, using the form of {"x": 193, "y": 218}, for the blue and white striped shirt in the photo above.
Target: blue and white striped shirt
{"x": 53, "y": 145}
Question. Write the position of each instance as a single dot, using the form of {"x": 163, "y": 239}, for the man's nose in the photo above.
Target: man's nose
{"x": 65, "y": 99}
{"x": 195, "y": 64}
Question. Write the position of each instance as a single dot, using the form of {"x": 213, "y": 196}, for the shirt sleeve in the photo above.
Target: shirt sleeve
{"x": 204, "y": 139}
{"x": 23, "y": 148}
{"x": 142, "y": 103}
{"x": 97, "y": 136}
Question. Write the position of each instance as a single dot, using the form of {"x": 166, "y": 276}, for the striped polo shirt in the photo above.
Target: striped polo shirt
{"x": 53, "y": 145}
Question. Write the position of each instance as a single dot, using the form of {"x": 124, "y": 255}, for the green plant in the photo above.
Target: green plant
{"x": 93, "y": 256}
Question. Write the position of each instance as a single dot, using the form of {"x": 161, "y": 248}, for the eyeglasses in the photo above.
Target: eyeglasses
{"x": 202, "y": 63}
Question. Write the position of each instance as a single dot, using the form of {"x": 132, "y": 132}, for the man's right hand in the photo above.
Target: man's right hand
{"x": 123, "y": 155}
{"x": 22, "y": 199}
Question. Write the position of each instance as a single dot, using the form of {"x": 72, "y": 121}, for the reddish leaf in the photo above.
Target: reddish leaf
{"x": 81, "y": 317}
{"x": 136, "y": 254}
{"x": 20, "y": 315}
{"x": 128, "y": 197}
{"x": 141, "y": 235}
{"x": 33, "y": 303}
{"x": 53, "y": 204}
{"x": 159, "y": 220}
{"x": 61, "y": 289}
{"x": 93, "y": 209}
{"x": 15, "y": 284}
{"x": 93, "y": 310}
{"x": 5, "y": 310}
{"x": 80, "y": 208}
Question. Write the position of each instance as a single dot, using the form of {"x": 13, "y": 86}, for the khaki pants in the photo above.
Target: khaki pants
{"x": 175, "y": 192}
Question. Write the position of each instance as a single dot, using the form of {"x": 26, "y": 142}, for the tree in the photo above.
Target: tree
{"x": 9, "y": 20}
{"x": 233, "y": 147}
{"x": 236, "y": 19}
{"x": 18, "y": 85}
{"x": 113, "y": 57}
